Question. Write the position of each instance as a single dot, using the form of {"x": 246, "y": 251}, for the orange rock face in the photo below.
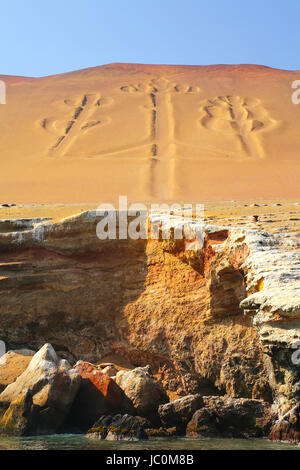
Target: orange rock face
{"x": 12, "y": 367}
{"x": 151, "y": 302}
{"x": 89, "y": 372}
{"x": 98, "y": 394}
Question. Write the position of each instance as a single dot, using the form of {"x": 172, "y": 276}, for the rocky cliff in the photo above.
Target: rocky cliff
{"x": 220, "y": 319}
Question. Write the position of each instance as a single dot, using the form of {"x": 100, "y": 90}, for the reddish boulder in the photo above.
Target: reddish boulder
{"x": 98, "y": 395}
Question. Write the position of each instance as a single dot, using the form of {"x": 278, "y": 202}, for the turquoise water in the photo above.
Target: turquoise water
{"x": 80, "y": 442}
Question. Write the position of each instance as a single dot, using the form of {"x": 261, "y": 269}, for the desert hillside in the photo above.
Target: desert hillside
{"x": 184, "y": 133}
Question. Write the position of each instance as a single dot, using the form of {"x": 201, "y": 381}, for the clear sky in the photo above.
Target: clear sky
{"x": 48, "y": 37}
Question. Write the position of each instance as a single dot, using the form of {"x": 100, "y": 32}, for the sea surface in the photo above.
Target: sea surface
{"x": 80, "y": 442}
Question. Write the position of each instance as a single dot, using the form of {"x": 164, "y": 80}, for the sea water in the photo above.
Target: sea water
{"x": 80, "y": 442}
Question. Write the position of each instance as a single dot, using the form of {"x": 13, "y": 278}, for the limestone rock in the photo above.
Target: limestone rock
{"x": 288, "y": 427}
{"x": 118, "y": 428}
{"x": 145, "y": 391}
{"x": 12, "y": 365}
{"x": 110, "y": 370}
{"x": 19, "y": 418}
{"x": 179, "y": 412}
{"x": 98, "y": 395}
{"x": 53, "y": 386}
{"x": 273, "y": 285}
{"x": 204, "y": 423}
{"x": 181, "y": 311}
{"x": 159, "y": 304}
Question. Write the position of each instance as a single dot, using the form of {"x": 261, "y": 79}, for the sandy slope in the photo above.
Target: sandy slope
{"x": 152, "y": 133}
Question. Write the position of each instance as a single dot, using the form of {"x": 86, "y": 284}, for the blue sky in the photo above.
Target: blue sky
{"x": 42, "y": 38}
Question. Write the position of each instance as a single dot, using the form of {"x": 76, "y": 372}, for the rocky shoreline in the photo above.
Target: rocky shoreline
{"x": 51, "y": 397}
{"x": 192, "y": 342}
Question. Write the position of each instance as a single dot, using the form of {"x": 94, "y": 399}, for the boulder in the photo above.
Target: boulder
{"x": 110, "y": 370}
{"x": 53, "y": 386}
{"x": 158, "y": 431}
{"x": 118, "y": 428}
{"x": 98, "y": 395}
{"x": 179, "y": 412}
{"x": 12, "y": 365}
{"x": 145, "y": 391}
{"x": 204, "y": 423}
{"x": 18, "y": 419}
{"x": 288, "y": 427}
{"x": 231, "y": 417}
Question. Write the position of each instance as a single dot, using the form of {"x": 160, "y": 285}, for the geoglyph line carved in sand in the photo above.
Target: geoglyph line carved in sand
{"x": 162, "y": 158}
{"x": 80, "y": 122}
{"x": 162, "y": 123}
{"x": 240, "y": 118}
{"x": 243, "y": 118}
{"x": 160, "y": 140}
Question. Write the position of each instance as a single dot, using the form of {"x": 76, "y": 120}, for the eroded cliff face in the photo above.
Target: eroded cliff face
{"x": 154, "y": 302}
{"x": 274, "y": 267}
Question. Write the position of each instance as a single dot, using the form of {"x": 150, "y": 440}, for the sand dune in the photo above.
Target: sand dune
{"x": 181, "y": 133}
